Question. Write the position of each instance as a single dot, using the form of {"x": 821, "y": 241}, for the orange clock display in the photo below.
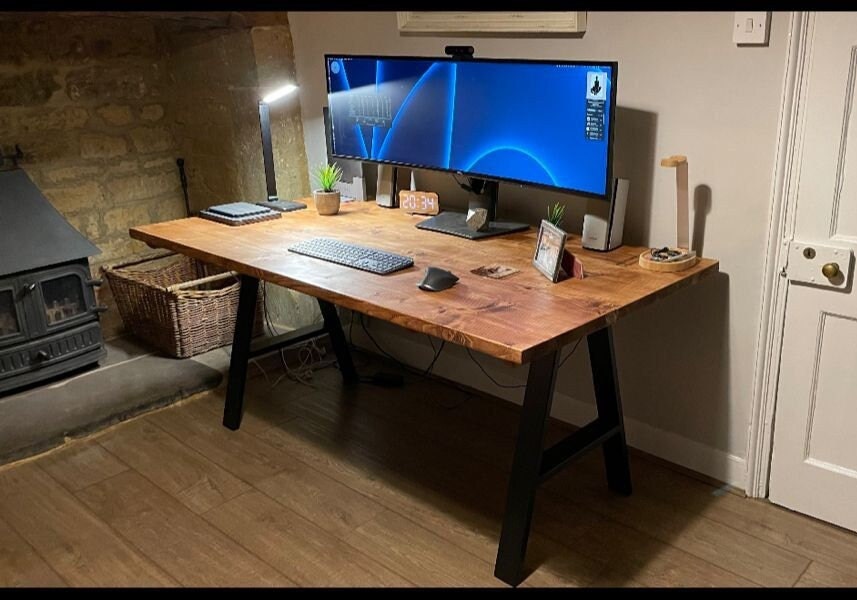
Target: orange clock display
{"x": 419, "y": 203}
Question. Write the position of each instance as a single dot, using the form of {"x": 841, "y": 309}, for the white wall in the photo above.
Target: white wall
{"x": 685, "y": 363}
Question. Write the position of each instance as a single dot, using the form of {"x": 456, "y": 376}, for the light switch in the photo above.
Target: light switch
{"x": 751, "y": 28}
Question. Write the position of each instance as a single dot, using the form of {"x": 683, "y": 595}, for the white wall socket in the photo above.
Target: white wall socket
{"x": 751, "y": 28}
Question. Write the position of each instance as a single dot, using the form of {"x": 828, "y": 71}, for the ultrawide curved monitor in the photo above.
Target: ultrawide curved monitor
{"x": 541, "y": 123}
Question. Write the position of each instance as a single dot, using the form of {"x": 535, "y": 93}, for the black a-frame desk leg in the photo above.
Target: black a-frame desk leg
{"x": 526, "y": 469}
{"x": 240, "y": 352}
{"x": 333, "y": 327}
{"x": 605, "y": 380}
{"x": 532, "y": 464}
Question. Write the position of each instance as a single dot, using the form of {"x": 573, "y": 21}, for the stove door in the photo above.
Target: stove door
{"x": 12, "y": 323}
{"x": 58, "y": 298}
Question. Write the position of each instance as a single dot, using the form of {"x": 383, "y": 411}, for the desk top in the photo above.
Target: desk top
{"x": 516, "y": 319}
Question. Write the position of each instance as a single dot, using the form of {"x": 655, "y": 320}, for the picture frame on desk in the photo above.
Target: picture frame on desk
{"x": 550, "y": 248}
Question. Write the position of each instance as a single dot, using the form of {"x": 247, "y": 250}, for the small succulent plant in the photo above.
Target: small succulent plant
{"x": 328, "y": 176}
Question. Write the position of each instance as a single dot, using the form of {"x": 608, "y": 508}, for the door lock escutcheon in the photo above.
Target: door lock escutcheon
{"x": 820, "y": 264}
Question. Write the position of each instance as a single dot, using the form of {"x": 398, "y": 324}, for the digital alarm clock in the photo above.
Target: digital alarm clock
{"x": 419, "y": 203}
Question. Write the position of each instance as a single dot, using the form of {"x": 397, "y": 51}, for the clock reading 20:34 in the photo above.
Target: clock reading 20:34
{"x": 419, "y": 203}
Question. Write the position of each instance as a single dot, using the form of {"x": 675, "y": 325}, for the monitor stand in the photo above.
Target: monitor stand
{"x": 454, "y": 223}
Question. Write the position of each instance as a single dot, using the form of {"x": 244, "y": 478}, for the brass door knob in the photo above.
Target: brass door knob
{"x": 830, "y": 270}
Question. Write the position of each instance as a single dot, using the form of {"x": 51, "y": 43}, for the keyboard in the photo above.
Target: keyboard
{"x": 352, "y": 255}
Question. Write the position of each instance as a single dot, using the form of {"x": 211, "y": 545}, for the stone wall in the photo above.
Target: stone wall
{"x": 222, "y": 75}
{"x": 103, "y": 105}
{"x": 87, "y": 100}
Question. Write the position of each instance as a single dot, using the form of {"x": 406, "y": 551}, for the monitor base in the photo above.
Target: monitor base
{"x": 453, "y": 223}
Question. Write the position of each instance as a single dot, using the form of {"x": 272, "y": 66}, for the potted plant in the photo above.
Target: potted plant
{"x": 556, "y": 214}
{"x": 327, "y": 197}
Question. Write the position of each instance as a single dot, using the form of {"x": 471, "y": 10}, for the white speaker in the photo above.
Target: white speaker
{"x": 605, "y": 234}
{"x": 385, "y": 190}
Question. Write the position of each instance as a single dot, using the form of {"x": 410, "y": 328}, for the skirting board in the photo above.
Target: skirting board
{"x": 667, "y": 445}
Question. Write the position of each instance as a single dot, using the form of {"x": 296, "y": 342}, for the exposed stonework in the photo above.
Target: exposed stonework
{"x": 139, "y": 187}
{"x": 152, "y": 139}
{"x": 70, "y": 117}
{"x": 152, "y": 112}
{"x": 96, "y": 145}
{"x": 75, "y": 198}
{"x": 113, "y": 83}
{"x": 29, "y": 88}
{"x": 102, "y": 107}
{"x": 116, "y": 115}
{"x": 64, "y": 174}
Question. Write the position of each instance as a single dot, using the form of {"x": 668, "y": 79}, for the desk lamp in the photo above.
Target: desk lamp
{"x": 273, "y": 201}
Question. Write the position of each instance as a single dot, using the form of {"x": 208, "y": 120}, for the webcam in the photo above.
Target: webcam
{"x": 459, "y": 52}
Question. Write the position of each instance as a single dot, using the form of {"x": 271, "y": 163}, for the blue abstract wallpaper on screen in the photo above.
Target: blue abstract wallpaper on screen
{"x": 534, "y": 122}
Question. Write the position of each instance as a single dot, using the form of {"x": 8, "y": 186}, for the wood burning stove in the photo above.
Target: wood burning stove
{"x": 49, "y": 320}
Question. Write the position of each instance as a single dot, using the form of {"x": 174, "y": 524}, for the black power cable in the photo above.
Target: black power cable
{"x": 401, "y": 365}
{"x": 519, "y": 386}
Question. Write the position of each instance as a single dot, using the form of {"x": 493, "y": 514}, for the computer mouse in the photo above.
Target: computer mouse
{"x": 437, "y": 279}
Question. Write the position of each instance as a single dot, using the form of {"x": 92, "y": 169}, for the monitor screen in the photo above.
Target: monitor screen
{"x": 543, "y": 123}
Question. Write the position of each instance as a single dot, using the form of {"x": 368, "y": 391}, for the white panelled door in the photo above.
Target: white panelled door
{"x": 814, "y": 461}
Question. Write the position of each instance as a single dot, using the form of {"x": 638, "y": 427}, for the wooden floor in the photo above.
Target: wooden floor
{"x": 375, "y": 487}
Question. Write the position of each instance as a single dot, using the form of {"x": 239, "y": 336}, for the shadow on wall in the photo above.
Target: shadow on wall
{"x": 634, "y": 158}
{"x": 701, "y": 208}
{"x": 673, "y": 360}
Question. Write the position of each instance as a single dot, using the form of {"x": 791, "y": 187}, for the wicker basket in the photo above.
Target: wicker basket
{"x": 179, "y": 305}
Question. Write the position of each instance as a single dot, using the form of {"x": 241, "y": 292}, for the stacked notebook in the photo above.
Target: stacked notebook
{"x": 239, "y": 213}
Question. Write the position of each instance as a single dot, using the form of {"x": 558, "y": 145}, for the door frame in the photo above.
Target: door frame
{"x": 780, "y": 232}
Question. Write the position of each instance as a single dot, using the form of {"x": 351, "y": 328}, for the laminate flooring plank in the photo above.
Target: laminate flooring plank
{"x": 733, "y": 550}
{"x": 265, "y": 404}
{"x": 420, "y": 555}
{"x": 80, "y": 547}
{"x": 780, "y": 526}
{"x": 242, "y": 454}
{"x": 305, "y": 552}
{"x": 179, "y": 541}
{"x": 821, "y": 575}
{"x": 184, "y": 473}
{"x": 20, "y": 566}
{"x": 633, "y": 558}
{"x": 80, "y": 464}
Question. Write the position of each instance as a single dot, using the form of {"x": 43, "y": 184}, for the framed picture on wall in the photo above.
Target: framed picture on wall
{"x": 556, "y": 23}
{"x": 550, "y": 245}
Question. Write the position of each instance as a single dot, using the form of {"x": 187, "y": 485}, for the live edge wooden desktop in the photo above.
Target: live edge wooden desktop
{"x": 521, "y": 319}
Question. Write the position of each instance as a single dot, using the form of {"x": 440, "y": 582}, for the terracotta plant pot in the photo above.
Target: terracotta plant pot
{"x": 326, "y": 203}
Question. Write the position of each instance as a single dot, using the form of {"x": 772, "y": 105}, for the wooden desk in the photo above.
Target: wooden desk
{"x": 521, "y": 319}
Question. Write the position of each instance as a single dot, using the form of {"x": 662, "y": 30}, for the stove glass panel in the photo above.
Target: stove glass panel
{"x": 63, "y": 298}
{"x": 8, "y": 317}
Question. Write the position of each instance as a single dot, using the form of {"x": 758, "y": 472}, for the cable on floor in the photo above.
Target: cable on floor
{"x": 310, "y": 354}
